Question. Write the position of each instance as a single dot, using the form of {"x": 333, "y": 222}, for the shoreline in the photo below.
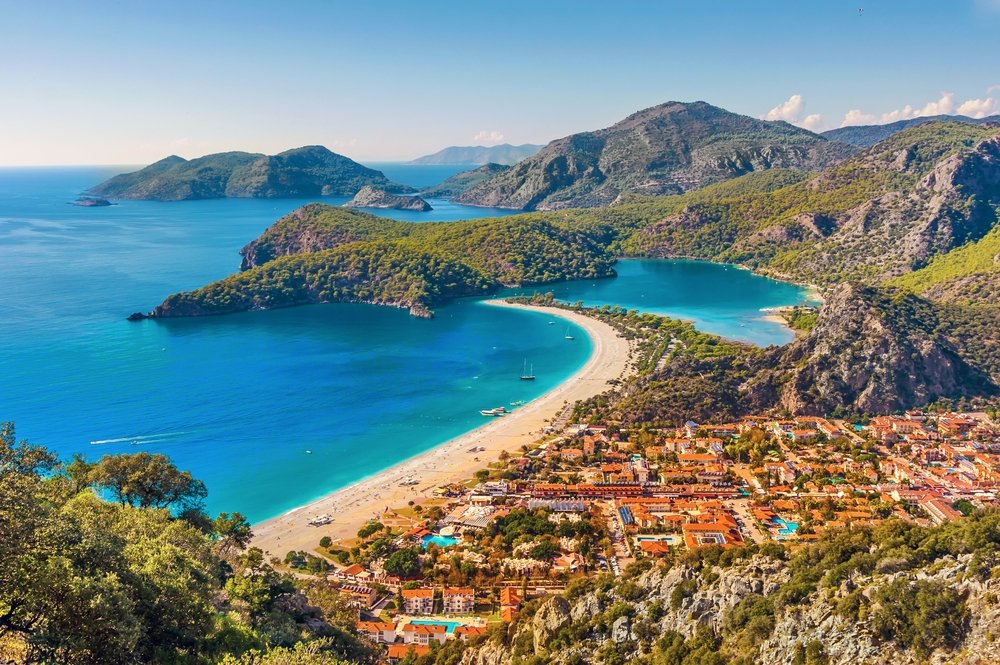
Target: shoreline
{"x": 452, "y": 460}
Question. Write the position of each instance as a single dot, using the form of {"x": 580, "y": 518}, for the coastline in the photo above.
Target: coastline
{"x": 451, "y": 461}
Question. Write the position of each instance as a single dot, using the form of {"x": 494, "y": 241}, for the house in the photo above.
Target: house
{"x": 353, "y": 573}
{"x": 398, "y": 652}
{"x": 418, "y": 601}
{"x": 510, "y": 598}
{"x": 377, "y": 631}
{"x": 465, "y": 633}
{"x": 362, "y": 596}
{"x": 459, "y": 600}
{"x": 567, "y": 563}
{"x": 423, "y": 633}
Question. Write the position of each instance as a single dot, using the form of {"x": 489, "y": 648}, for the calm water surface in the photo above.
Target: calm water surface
{"x": 270, "y": 409}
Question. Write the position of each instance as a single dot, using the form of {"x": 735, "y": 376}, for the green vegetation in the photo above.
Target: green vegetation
{"x": 897, "y": 584}
{"x": 412, "y": 265}
{"x": 970, "y": 273}
{"x": 84, "y": 580}
{"x": 300, "y": 172}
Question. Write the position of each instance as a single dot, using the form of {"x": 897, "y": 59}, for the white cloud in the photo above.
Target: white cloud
{"x": 788, "y": 111}
{"x": 978, "y": 108}
{"x": 944, "y": 105}
{"x": 993, "y": 88}
{"x": 812, "y": 122}
{"x": 791, "y": 111}
{"x": 857, "y": 117}
{"x": 488, "y": 136}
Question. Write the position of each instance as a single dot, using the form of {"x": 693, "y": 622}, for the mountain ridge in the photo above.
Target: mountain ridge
{"x": 666, "y": 149}
{"x": 865, "y": 136}
{"x": 477, "y": 155}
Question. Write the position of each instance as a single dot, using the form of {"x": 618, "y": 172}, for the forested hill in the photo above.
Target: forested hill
{"x": 666, "y": 149}
{"x": 323, "y": 253}
{"x": 301, "y": 172}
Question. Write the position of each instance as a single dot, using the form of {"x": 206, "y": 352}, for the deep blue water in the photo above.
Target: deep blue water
{"x": 239, "y": 400}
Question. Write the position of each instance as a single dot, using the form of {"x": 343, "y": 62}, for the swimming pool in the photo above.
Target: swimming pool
{"x": 786, "y": 528}
{"x": 440, "y": 541}
{"x": 449, "y": 625}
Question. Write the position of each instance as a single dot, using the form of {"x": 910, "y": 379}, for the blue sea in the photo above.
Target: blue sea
{"x": 274, "y": 409}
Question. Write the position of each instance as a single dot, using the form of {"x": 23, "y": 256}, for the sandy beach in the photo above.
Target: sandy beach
{"x": 452, "y": 461}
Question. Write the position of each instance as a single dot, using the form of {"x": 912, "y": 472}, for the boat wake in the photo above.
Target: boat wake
{"x": 138, "y": 440}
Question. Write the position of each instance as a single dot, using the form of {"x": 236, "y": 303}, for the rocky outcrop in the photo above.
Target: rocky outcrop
{"x": 91, "y": 202}
{"x": 665, "y": 149}
{"x": 371, "y": 197}
{"x": 301, "y": 172}
{"x": 551, "y": 617}
{"x": 871, "y": 351}
{"x": 685, "y": 600}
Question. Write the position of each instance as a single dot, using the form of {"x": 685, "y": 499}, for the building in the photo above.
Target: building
{"x": 377, "y": 631}
{"x": 465, "y": 633}
{"x": 510, "y": 598}
{"x": 459, "y": 600}
{"x": 398, "y": 652}
{"x": 362, "y": 596}
{"x": 421, "y": 633}
{"x": 418, "y": 601}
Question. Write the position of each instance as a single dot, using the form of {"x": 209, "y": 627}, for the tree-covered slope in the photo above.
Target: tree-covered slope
{"x": 666, "y": 149}
{"x": 301, "y": 172}
{"x": 323, "y": 253}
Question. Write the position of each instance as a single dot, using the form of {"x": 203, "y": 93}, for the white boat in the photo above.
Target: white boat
{"x": 526, "y": 373}
{"x": 498, "y": 411}
{"x": 568, "y": 336}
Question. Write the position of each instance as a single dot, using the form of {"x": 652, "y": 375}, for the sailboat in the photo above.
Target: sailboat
{"x": 568, "y": 336}
{"x": 527, "y": 374}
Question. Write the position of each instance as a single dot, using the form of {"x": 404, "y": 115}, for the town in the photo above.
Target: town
{"x": 596, "y": 498}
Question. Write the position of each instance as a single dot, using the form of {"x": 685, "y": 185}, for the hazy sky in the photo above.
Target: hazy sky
{"x": 129, "y": 82}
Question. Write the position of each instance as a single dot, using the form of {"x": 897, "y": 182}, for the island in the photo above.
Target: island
{"x": 302, "y": 172}
{"x": 91, "y": 202}
{"x": 372, "y": 197}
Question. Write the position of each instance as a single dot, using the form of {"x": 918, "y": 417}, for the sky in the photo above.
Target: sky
{"x": 123, "y": 82}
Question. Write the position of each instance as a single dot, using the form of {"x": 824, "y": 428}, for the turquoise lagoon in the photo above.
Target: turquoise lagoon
{"x": 272, "y": 409}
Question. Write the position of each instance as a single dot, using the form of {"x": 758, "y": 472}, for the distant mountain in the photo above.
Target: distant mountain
{"x": 464, "y": 181}
{"x": 474, "y": 155}
{"x": 666, "y": 149}
{"x": 301, "y": 172}
{"x": 864, "y": 136}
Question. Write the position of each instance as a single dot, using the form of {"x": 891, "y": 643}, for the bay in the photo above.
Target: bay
{"x": 270, "y": 409}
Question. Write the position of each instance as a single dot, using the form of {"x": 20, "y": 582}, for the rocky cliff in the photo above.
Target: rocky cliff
{"x": 846, "y": 601}
{"x": 871, "y": 351}
{"x": 371, "y": 197}
{"x": 666, "y": 149}
{"x": 301, "y": 172}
